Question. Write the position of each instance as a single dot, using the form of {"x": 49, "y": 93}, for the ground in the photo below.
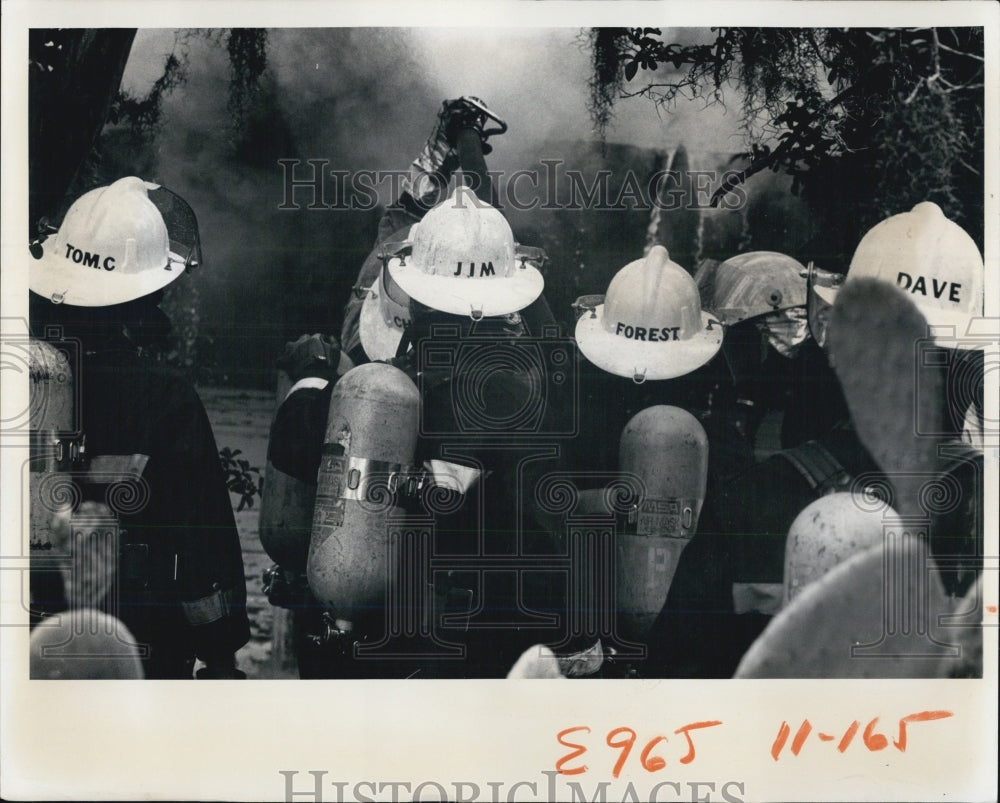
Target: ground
{"x": 241, "y": 420}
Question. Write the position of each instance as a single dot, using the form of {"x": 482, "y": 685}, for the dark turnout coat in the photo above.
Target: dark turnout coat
{"x": 181, "y": 589}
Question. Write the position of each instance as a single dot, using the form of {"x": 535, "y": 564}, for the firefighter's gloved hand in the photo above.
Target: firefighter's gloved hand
{"x": 463, "y": 114}
{"x": 431, "y": 171}
{"x": 311, "y": 355}
{"x": 89, "y": 537}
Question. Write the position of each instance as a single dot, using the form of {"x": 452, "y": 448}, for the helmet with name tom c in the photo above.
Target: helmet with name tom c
{"x": 116, "y": 244}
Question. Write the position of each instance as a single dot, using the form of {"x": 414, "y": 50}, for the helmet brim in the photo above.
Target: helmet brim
{"x": 460, "y": 296}
{"x": 65, "y": 282}
{"x": 379, "y": 340}
{"x": 665, "y": 359}
{"x": 828, "y": 294}
{"x": 947, "y": 327}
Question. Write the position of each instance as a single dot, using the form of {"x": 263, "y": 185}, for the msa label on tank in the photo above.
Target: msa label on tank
{"x": 330, "y": 485}
{"x": 663, "y": 517}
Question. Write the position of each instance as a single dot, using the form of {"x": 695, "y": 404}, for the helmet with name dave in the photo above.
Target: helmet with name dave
{"x": 932, "y": 259}
{"x": 651, "y": 325}
{"x": 463, "y": 261}
{"x": 116, "y": 244}
{"x": 757, "y": 283}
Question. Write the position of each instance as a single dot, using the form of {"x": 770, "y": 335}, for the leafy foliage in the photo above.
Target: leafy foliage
{"x": 247, "y": 49}
{"x": 607, "y": 79}
{"x": 870, "y": 121}
{"x": 72, "y": 80}
{"x": 142, "y": 115}
{"x": 241, "y": 477}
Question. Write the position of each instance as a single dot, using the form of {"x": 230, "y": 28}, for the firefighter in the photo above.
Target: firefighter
{"x": 650, "y": 375}
{"x": 387, "y": 320}
{"x": 772, "y": 361}
{"x": 729, "y": 588}
{"x": 179, "y": 586}
{"x": 468, "y": 284}
{"x": 471, "y": 476}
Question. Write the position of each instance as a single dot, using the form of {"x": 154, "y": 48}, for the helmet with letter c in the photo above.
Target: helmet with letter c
{"x": 116, "y": 244}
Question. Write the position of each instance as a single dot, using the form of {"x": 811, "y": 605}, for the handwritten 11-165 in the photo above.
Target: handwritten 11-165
{"x": 654, "y": 755}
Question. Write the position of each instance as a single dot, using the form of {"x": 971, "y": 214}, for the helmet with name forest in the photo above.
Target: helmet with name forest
{"x": 651, "y": 324}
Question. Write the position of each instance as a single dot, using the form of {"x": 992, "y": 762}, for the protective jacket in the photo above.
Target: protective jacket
{"x": 181, "y": 589}
{"x": 607, "y": 402}
{"x": 728, "y": 583}
{"x": 486, "y": 525}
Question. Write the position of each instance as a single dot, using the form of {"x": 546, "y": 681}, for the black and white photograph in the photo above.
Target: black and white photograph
{"x": 421, "y": 351}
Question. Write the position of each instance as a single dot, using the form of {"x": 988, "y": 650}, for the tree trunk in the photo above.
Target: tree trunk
{"x": 74, "y": 77}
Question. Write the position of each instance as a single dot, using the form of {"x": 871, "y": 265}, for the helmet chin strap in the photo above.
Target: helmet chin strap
{"x": 404, "y": 342}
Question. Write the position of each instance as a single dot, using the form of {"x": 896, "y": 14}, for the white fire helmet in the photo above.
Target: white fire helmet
{"x": 385, "y": 314}
{"x": 757, "y": 283}
{"x": 933, "y": 260}
{"x": 651, "y": 324}
{"x": 116, "y": 244}
{"x": 463, "y": 261}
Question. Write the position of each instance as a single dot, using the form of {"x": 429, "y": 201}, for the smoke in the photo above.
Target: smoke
{"x": 366, "y": 99}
